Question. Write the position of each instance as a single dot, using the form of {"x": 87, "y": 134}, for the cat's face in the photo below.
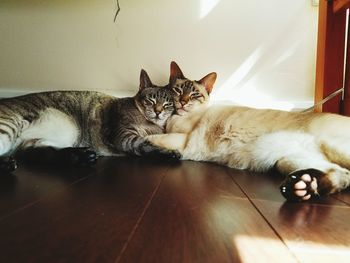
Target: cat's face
{"x": 156, "y": 103}
{"x": 189, "y": 95}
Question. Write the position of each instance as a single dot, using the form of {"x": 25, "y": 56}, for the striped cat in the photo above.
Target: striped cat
{"x": 311, "y": 149}
{"x": 78, "y": 126}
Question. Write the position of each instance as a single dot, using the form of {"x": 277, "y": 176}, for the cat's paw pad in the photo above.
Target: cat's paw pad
{"x": 301, "y": 185}
{"x": 8, "y": 164}
{"x": 305, "y": 187}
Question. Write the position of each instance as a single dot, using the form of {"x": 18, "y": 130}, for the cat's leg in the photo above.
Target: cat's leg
{"x": 337, "y": 149}
{"x": 171, "y": 141}
{"x": 5, "y": 142}
{"x": 7, "y": 163}
{"x": 57, "y": 156}
{"x": 148, "y": 148}
{"x": 298, "y": 156}
{"x": 333, "y": 135}
{"x": 132, "y": 143}
{"x": 303, "y": 183}
{"x": 8, "y": 133}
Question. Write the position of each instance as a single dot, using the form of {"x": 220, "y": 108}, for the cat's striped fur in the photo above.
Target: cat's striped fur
{"x": 102, "y": 123}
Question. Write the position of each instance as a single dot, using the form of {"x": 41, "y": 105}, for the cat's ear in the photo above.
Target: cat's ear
{"x": 145, "y": 81}
{"x": 175, "y": 72}
{"x": 208, "y": 81}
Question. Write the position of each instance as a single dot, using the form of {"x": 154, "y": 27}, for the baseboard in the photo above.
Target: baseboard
{"x": 279, "y": 105}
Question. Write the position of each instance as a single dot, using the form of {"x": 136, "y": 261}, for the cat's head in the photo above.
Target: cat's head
{"x": 189, "y": 95}
{"x": 155, "y": 102}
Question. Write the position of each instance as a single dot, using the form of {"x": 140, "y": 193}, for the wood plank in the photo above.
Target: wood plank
{"x": 330, "y": 54}
{"x": 200, "y": 215}
{"x": 344, "y": 196}
{"x": 313, "y": 231}
{"x": 87, "y": 222}
{"x": 266, "y": 187}
{"x": 30, "y": 184}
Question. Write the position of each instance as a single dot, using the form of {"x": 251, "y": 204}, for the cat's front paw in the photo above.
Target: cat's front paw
{"x": 79, "y": 156}
{"x": 302, "y": 185}
{"x": 151, "y": 150}
{"x": 173, "y": 154}
{"x": 7, "y": 164}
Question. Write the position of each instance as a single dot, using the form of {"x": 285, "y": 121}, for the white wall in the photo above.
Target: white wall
{"x": 263, "y": 51}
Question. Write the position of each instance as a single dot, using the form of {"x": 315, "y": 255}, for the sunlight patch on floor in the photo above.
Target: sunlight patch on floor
{"x": 307, "y": 251}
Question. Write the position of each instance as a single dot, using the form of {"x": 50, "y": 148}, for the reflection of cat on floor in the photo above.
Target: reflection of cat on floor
{"x": 311, "y": 149}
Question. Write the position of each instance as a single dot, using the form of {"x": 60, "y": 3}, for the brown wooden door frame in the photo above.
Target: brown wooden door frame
{"x": 330, "y": 54}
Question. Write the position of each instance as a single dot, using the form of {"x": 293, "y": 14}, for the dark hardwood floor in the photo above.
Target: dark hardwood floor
{"x": 140, "y": 210}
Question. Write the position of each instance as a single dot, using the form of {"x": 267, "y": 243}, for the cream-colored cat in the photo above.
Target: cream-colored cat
{"x": 311, "y": 149}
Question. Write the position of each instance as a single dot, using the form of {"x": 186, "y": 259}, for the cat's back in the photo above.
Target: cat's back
{"x": 68, "y": 102}
{"x": 225, "y": 132}
{"x": 56, "y": 98}
{"x": 265, "y": 120}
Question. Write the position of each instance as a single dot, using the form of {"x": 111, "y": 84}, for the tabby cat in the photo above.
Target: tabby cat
{"x": 311, "y": 149}
{"x": 78, "y": 126}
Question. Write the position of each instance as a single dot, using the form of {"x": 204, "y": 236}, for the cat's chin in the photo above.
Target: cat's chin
{"x": 160, "y": 123}
{"x": 181, "y": 112}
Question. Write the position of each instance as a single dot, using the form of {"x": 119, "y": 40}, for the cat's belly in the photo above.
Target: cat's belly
{"x": 53, "y": 128}
{"x": 231, "y": 149}
{"x": 254, "y": 152}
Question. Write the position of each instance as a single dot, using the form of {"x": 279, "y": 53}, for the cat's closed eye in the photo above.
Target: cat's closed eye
{"x": 196, "y": 95}
{"x": 178, "y": 90}
{"x": 149, "y": 102}
{"x": 167, "y": 105}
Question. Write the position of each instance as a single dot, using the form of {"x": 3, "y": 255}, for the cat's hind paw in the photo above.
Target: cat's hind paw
{"x": 7, "y": 164}
{"x": 173, "y": 154}
{"x": 301, "y": 185}
{"x": 79, "y": 156}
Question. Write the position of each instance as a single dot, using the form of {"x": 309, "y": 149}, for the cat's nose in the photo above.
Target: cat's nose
{"x": 184, "y": 100}
{"x": 158, "y": 110}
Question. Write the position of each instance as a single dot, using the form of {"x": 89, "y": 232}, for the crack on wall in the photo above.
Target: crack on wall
{"x": 117, "y": 12}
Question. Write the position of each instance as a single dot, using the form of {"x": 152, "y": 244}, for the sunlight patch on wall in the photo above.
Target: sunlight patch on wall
{"x": 288, "y": 53}
{"x": 238, "y": 90}
{"x": 242, "y": 71}
{"x": 243, "y": 87}
{"x": 206, "y": 6}
{"x": 250, "y": 96}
